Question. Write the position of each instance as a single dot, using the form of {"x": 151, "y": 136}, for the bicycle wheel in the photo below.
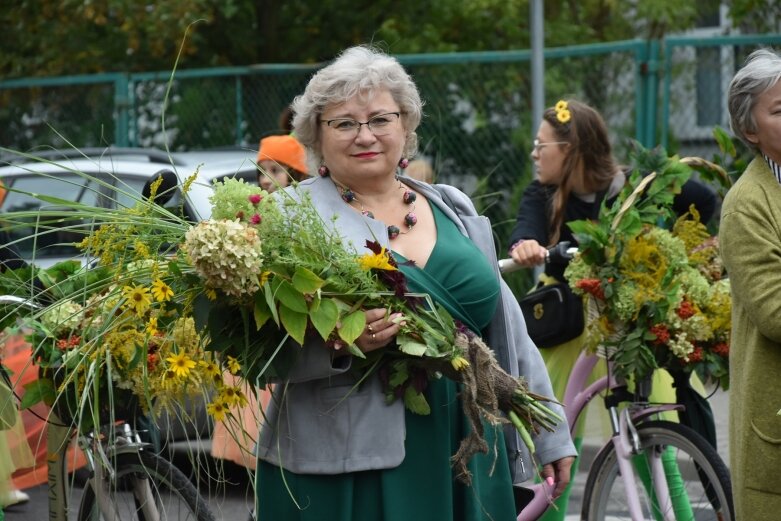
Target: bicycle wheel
{"x": 704, "y": 489}
{"x": 146, "y": 487}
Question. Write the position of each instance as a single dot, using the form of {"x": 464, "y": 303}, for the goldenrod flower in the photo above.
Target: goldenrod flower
{"x": 218, "y": 409}
{"x": 378, "y": 261}
{"x": 459, "y": 363}
{"x": 161, "y": 291}
{"x": 233, "y": 365}
{"x": 137, "y": 298}
{"x": 211, "y": 294}
{"x": 180, "y": 364}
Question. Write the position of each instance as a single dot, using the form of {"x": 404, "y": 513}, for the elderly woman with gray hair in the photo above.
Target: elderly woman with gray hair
{"x": 750, "y": 236}
{"x": 331, "y": 447}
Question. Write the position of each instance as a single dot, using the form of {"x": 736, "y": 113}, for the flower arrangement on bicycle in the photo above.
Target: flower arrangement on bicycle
{"x": 657, "y": 296}
{"x": 170, "y": 305}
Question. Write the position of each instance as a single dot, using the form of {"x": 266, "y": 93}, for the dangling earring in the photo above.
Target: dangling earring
{"x": 403, "y": 163}
{"x": 323, "y": 171}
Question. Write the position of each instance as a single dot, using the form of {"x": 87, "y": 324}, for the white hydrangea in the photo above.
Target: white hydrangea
{"x": 63, "y": 317}
{"x": 227, "y": 254}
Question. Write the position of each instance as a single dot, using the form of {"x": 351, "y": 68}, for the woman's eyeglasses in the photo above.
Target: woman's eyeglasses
{"x": 539, "y": 145}
{"x": 379, "y": 125}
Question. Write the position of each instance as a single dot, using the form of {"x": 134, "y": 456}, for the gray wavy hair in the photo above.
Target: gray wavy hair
{"x": 360, "y": 70}
{"x": 761, "y": 72}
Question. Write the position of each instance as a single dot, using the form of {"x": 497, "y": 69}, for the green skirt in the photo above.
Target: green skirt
{"x": 422, "y": 487}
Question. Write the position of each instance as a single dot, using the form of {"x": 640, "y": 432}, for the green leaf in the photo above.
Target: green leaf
{"x": 294, "y": 322}
{"x": 291, "y": 298}
{"x": 416, "y": 402}
{"x": 352, "y": 326}
{"x": 726, "y": 145}
{"x": 261, "y": 311}
{"x": 268, "y": 293}
{"x": 410, "y": 346}
{"x": 324, "y": 317}
{"x": 356, "y": 351}
{"x": 305, "y": 281}
{"x": 41, "y": 390}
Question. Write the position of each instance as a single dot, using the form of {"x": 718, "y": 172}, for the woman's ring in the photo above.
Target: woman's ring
{"x": 374, "y": 337}
{"x": 369, "y": 327}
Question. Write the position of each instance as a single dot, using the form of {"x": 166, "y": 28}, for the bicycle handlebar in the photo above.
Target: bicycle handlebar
{"x": 561, "y": 253}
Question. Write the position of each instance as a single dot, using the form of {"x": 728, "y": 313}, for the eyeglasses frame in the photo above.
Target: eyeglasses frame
{"x": 360, "y": 123}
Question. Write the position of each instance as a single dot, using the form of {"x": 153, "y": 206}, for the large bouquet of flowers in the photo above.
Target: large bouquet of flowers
{"x": 171, "y": 304}
{"x": 656, "y": 294}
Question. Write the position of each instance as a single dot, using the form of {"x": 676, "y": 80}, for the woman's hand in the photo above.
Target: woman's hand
{"x": 529, "y": 253}
{"x": 380, "y": 330}
{"x": 559, "y": 470}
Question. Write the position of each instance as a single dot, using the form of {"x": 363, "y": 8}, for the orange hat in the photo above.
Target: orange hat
{"x": 283, "y": 149}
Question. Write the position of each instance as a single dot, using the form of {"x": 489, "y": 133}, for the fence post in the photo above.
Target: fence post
{"x": 647, "y": 90}
{"x": 121, "y": 106}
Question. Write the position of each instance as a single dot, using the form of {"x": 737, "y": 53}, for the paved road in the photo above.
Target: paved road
{"x": 232, "y": 501}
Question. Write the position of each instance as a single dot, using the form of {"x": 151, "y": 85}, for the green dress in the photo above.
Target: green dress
{"x": 459, "y": 277}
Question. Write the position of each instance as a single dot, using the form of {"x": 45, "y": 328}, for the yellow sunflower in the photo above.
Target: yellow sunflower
{"x": 161, "y": 291}
{"x": 233, "y": 365}
{"x": 151, "y": 326}
{"x": 137, "y": 298}
{"x": 218, "y": 409}
{"x": 180, "y": 364}
{"x": 378, "y": 261}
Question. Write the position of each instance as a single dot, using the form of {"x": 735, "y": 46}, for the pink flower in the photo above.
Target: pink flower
{"x": 256, "y": 219}
{"x": 255, "y": 199}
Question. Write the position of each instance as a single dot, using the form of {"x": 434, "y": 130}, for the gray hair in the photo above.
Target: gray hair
{"x": 761, "y": 72}
{"x": 358, "y": 71}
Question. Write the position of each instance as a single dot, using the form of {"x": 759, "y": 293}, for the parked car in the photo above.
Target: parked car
{"x": 111, "y": 178}
{"x": 107, "y": 178}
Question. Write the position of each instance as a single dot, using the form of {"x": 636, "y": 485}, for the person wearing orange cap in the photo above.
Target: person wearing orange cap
{"x": 280, "y": 159}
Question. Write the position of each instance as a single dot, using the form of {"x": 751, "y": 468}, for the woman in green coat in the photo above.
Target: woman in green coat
{"x": 750, "y": 236}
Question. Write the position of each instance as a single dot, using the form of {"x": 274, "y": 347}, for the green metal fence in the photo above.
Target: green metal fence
{"x": 477, "y": 127}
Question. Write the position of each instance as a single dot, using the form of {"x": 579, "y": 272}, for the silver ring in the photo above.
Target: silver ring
{"x": 374, "y": 337}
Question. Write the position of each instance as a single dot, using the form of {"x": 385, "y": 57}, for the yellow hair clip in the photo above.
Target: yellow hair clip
{"x": 562, "y": 111}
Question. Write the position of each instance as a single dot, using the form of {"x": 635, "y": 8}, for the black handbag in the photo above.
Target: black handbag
{"x": 553, "y": 314}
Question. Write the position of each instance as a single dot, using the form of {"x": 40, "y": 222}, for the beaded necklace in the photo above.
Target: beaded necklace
{"x": 409, "y": 197}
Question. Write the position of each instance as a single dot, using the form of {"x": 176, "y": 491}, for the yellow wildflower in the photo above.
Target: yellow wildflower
{"x": 211, "y": 294}
{"x": 459, "y": 363}
{"x": 211, "y": 370}
{"x": 232, "y": 396}
{"x": 264, "y": 277}
{"x": 151, "y": 326}
{"x": 561, "y": 105}
{"x": 161, "y": 291}
{"x": 378, "y": 261}
{"x": 180, "y": 364}
{"x": 218, "y": 409}
{"x": 233, "y": 365}
{"x": 137, "y": 298}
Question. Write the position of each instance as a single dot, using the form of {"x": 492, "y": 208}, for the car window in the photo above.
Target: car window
{"x": 59, "y": 240}
{"x": 250, "y": 176}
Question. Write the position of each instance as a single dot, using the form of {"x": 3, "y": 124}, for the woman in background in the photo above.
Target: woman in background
{"x": 750, "y": 238}
{"x": 576, "y": 172}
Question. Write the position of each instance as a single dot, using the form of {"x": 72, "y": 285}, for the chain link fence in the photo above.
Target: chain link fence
{"x": 476, "y": 132}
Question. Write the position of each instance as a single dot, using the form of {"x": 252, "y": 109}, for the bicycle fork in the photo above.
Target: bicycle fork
{"x": 628, "y": 447}
{"x": 103, "y": 476}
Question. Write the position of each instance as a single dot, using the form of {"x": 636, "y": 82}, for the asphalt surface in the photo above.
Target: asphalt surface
{"x": 231, "y": 497}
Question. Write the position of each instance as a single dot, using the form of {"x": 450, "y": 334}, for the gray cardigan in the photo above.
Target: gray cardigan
{"x": 319, "y": 423}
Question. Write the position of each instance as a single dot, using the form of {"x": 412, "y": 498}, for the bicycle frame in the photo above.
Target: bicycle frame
{"x": 578, "y": 394}
{"x": 125, "y": 440}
